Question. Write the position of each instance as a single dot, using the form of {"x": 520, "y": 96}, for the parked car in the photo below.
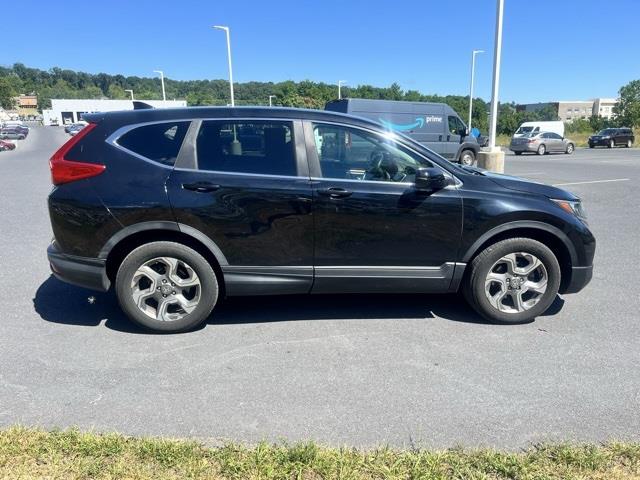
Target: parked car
{"x": 77, "y": 126}
{"x": 178, "y": 208}
{"x": 12, "y": 133}
{"x": 611, "y": 137}
{"x": 538, "y": 127}
{"x": 541, "y": 143}
{"x": 74, "y": 129}
{"x": 4, "y": 145}
{"x": 434, "y": 125}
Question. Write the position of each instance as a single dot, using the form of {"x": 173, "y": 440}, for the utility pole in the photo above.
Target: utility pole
{"x": 473, "y": 73}
{"x": 164, "y": 97}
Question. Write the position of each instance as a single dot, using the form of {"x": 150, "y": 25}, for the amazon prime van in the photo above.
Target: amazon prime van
{"x": 435, "y": 125}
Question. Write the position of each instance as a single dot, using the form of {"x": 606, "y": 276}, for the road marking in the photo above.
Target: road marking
{"x": 592, "y": 181}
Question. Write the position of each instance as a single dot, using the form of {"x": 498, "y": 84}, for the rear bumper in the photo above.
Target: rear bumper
{"x": 85, "y": 272}
{"x": 580, "y": 278}
{"x": 524, "y": 147}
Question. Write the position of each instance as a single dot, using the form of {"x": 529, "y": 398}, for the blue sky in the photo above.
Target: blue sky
{"x": 562, "y": 49}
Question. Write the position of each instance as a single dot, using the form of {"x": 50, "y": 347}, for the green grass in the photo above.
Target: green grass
{"x": 32, "y": 454}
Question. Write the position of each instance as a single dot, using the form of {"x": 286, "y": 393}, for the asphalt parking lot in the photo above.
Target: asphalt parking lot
{"x": 357, "y": 370}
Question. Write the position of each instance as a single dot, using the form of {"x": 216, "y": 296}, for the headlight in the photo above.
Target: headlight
{"x": 574, "y": 208}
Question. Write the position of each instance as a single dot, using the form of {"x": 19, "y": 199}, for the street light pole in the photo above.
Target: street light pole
{"x": 473, "y": 72}
{"x": 340, "y": 82}
{"x": 496, "y": 75}
{"x": 226, "y": 30}
{"x": 270, "y": 97}
{"x": 164, "y": 97}
{"x": 131, "y": 92}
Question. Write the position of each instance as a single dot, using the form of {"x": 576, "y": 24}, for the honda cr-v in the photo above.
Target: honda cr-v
{"x": 178, "y": 208}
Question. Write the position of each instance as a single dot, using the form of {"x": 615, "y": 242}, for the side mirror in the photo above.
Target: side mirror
{"x": 430, "y": 180}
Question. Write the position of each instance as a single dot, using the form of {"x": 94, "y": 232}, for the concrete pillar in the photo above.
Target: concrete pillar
{"x": 492, "y": 160}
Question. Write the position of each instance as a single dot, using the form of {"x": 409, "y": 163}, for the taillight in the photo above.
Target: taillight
{"x": 65, "y": 171}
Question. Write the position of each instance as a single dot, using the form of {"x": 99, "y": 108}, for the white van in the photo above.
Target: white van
{"x": 537, "y": 127}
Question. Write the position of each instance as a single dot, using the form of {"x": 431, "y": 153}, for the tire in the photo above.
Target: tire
{"x": 518, "y": 153}
{"x": 489, "y": 260}
{"x": 467, "y": 157}
{"x": 591, "y": 145}
{"x": 629, "y": 143}
{"x": 542, "y": 150}
{"x": 189, "y": 267}
{"x": 612, "y": 143}
{"x": 570, "y": 149}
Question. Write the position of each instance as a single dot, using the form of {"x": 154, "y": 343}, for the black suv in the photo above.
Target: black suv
{"x": 611, "y": 137}
{"x": 179, "y": 208}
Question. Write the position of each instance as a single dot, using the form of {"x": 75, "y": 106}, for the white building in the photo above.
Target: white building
{"x": 67, "y": 110}
{"x": 604, "y": 107}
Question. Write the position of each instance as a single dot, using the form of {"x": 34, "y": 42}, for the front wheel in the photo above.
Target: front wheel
{"x": 467, "y": 157}
{"x": 513, "y": 281}
{"x": 542, "y": 150}
{"x": 629, "y": 143}
{"x": 612, "y": 143}
{"x": 518, "y": 153}
{"x": 166, "y": 287}
{"x": 570, "y": 149}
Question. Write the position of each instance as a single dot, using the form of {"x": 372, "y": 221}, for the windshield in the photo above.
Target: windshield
{"x": 607, "y": 131}
{"x": 524, "y": 130}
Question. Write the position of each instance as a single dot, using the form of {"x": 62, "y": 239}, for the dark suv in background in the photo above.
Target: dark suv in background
{"x": 178, "y": 208}
{"x": 611, "y": 137}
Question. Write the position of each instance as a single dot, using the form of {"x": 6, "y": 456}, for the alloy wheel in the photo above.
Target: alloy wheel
{"x": 516, "y": 282}
{"x": 166, "y": 289}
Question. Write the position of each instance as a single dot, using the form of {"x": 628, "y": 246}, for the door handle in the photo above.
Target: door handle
{"x": 201, "y": 187}
{"x": 335, "y": 192}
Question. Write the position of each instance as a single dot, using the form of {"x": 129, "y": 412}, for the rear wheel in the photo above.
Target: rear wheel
{"x": 518, "y": 153}
{"x": 513, "y": 281}
{"x": 570, "y": 148}
{"x": 542, "y": 149}
{"x": 629, "y": 143}
{"x": 467, "y": 157}
{"x": 166, "y": 287}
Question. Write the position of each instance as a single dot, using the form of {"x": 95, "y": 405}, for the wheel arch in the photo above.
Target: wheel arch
{"x": 129, "y": 238}
{"x": 545, "y": 233}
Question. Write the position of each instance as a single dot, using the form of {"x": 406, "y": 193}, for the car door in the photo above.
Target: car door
{"x": 453, "y": 138}
{"x": 244, "y": 184}
{"x": 553, "y": 141}
{"x": 373, "y": 231}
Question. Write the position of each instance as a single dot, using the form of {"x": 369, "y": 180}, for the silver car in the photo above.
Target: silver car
{"x": 541, "y": 143}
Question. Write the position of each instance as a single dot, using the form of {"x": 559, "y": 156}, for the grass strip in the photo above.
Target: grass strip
{"x": 71, "y": 454}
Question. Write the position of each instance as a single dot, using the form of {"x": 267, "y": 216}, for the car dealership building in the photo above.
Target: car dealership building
{"x": 70, "y": 110}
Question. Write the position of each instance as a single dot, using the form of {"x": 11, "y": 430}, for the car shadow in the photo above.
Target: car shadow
{"x": 59, "y": 302}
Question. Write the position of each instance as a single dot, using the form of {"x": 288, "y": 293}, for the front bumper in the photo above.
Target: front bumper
{"x": 580, "y": 278}
{"x": 85, "y": 272}
{"x": 597, "y": 142}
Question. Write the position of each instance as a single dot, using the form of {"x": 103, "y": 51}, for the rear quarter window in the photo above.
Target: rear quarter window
{"x": 159, "y": 142}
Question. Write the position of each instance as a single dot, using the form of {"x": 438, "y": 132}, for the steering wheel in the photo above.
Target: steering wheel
{"x": 378, "y": 159}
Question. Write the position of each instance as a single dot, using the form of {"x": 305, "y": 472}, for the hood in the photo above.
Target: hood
{"x": 527, "y": 186}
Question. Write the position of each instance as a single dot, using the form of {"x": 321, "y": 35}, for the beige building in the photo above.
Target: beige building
{"x": 27, "y": 105}
{"x": 569, "y": 110}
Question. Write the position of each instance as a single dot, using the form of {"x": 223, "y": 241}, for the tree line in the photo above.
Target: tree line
{"x": 63, "y": 83}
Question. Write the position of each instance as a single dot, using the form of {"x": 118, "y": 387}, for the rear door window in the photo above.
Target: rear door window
{"x": 159, "y": 142}
{"x": 246, "y": 146}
